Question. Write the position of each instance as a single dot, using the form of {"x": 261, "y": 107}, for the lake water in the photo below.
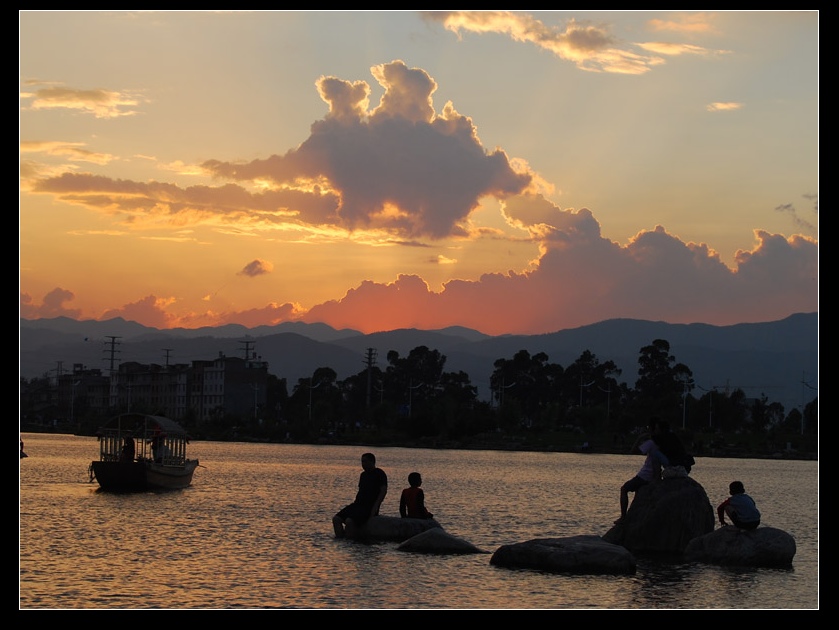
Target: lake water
{"x": 254, "y": 531}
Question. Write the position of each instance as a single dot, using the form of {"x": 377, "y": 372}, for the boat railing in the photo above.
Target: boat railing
{"x": 173, "y": 450}
{"x": 166, "y": 449}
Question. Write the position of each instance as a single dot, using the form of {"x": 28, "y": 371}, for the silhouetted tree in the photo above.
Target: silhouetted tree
{"x": 527, "y": 386}
{"x": 663, "y": 384}
{"x": 416, "y": 378}
{"x": 594, "y": 388}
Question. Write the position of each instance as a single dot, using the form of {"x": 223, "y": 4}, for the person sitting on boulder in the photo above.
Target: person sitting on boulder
{"x": 372, "y": 489}
{"x": 739, "y": 507}
{"x": 650, "y": 471}
{"x": 412, "y": 501}
{"x": 675, "y": 459}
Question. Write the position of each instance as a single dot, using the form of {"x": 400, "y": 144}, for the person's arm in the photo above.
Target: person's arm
{"x": 421, "y": 501}
{"x": 378, "y": 502}
{"x": 636, "y": 446}
{"x": 421, "y": 504}
{"x": 660, "y": 458}
{"x": 721, "y": 511}
{"x": 403, "y": 506}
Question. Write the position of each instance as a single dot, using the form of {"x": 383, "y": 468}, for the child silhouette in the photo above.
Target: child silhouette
{"x": 412, "y": 502}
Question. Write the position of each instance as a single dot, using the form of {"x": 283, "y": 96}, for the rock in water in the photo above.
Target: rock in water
{"x": 766, "y": 547}
{"x": 395, "y": 528}
{"x": 438, "y": 541}
{"x": 664, "y": 517}
{"x": 573, "y": 554}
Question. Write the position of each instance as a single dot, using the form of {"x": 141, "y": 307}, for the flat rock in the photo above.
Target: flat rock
{"x": 762, "y": 547}
{"x": 439, "y": 541}
{"x": 575, "y": 554}
{"x": 395, "y": 528}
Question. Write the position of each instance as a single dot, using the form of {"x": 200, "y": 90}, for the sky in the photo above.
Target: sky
{"x": 511, "y": 172}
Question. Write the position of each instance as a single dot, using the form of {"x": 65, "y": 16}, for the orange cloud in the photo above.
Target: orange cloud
{"x": 582, "y": 278}
{"x": 100, "y": 103}
{"x": 431, "y": 167}
{"x": 592, "y": 48}
{"x": 51, "y": 306}
{"x": 256, "y": 268}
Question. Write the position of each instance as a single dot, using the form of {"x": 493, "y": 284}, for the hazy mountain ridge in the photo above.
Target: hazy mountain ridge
{"x": 771, "y": 358}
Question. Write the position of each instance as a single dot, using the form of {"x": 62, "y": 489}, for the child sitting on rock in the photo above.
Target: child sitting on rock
{"x": 412, "y": 502}
{"x": 739, "y": 507}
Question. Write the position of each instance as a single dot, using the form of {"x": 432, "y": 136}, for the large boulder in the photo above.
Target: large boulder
{"x": 395, "y": 528}
{"x": 574, "y": 554}
{"x": 438, "y": 541}
{"x": 664, "y": 517}
{"x": 762, "y": 547}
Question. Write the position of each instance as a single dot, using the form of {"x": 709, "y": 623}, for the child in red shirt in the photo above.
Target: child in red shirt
{"x": 412, "y": 502}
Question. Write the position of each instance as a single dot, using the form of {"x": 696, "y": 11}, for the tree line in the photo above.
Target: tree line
{"x": 415, "y": 400}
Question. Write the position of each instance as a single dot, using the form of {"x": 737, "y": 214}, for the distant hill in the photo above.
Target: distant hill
{"x": 778, "y": 359}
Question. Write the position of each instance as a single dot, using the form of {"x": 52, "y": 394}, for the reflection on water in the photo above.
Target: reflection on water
{"x": 254, "y": 531}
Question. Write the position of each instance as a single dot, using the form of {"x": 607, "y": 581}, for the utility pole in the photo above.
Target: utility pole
{"x": 255, "y": 387}
{"x": 582, "y": 385}
{"x": 411, "y": 388}
{"x": 248, "y": 344}
{"x": 311, "y": 387}
{"x": 804, "y": 384}
{"x": 370, "y": 361}
{"x": 710, "y": 393}
{"x": 59, "y": 370}
{"x": 504, "y": 387}
{"x": 113, "y": 352}
{"x": 608, "y": 391}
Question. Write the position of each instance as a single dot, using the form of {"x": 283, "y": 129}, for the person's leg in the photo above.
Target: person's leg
{"x": 630, "y": 486}
{"x": 624, "y": 501}
{"x": 351, "y": 529}
{"x": 732, "y": 515}
{"x": 338, "y": 526}
{"x": 741, "y": 525}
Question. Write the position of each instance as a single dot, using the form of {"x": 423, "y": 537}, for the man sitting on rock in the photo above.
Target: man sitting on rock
{"x": 372, "y": 488}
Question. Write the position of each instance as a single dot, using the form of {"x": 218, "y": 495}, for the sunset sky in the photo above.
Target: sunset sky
{"x": 509, "y": 172}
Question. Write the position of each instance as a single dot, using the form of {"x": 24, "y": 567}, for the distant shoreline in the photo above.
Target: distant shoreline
{"x": 725, "y": 452}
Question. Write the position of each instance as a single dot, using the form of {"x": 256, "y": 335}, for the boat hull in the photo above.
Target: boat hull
{"x": 138, "y": 476}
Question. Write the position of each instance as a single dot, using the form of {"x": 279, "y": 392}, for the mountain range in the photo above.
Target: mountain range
{"x": 777, "y": 359}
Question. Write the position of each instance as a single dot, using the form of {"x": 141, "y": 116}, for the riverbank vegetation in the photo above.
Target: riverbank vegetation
{"x": 535, "y": 405}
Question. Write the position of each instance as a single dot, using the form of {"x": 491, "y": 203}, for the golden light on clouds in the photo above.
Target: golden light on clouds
{"x": 100, "y": 103}
{"x": 723, "y": 107}
{"x": 310, "y": 177}
{"x": 74, "y": 151}
{"x": 589, "y": 46}
{"x": 689, "y": 23}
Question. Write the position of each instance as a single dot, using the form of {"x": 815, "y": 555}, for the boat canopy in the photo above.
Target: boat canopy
{"x": 156, "y": 438}
{"x": 138, "y": 423}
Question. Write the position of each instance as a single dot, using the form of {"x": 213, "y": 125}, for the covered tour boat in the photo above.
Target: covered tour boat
{"x": 142, "y": 452}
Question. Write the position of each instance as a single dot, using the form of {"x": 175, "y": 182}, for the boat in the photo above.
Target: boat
{"x": 139, "y": 452}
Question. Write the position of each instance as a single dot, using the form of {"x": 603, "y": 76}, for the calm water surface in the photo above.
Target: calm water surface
{"x": 254, "y": 531}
